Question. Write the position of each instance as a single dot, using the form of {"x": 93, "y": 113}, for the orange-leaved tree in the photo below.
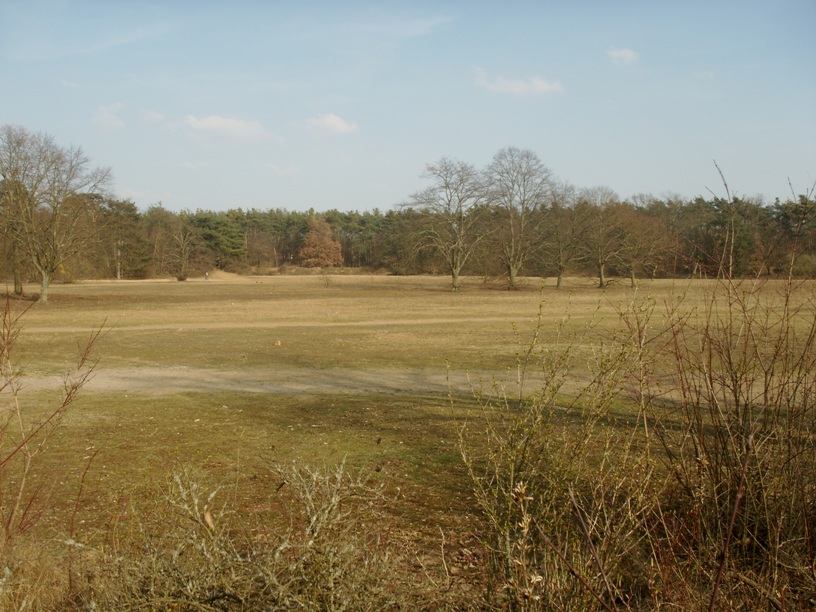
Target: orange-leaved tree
{"x": 320, "y": 249}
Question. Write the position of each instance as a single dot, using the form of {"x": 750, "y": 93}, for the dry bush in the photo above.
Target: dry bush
{"x": 738, "y": 435}
{"x": 701, "y": 494}
{"x": 324, "y": 552}
{"x": 561, "y": 486}
{"x": 30, "y": 575}
{"x": 682, "y": 475}
{"x": 739, "y": 447}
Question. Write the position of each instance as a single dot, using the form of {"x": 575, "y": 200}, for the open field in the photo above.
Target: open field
{"x": 232, "y": 378}
{"x": 238, "y": 372}
{"x": 232, "y": 375}
{"x": 276, "y": 326}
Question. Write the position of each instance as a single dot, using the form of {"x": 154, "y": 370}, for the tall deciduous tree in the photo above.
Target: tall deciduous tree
{"x": 564, "y": 235}
{"x": 604, "y": 238}
{"x": 643, "y": 240}
{"x": 320, "y": 249}
{"x": 50, "y": 207}
{"x": 519, "y": 187}
{"x": 159, "y": 225}
{"x": 262, "y": 239}
{"x": 186, "y": 246}
{"x": 450, "y": 208}
{"x": 668, "y": 214}
{"x": 12, "y": 251}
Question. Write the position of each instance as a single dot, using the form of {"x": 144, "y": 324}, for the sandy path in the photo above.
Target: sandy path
{"x": 178, "y": 379}
{"x": 272, "y": 324}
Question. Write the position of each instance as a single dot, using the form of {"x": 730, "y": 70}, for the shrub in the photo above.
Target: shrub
{"x": 683, "y": 474}
{"x": 27, "y": 573}
{"x": 324, "y": 552}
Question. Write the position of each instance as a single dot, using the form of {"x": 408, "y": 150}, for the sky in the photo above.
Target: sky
{"x": 341, "y": 105}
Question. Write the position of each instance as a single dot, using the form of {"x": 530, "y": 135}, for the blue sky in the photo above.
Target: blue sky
{"x": 299, "y": 105}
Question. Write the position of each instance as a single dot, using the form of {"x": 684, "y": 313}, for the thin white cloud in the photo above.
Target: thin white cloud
{"x": 152, "y": 116}
{"x": 518, "y": 87}
{"x": 69, "y": 84}
{"x": 622, "y": 56}
{"x": 329, "y": 122}
{"x": 126, "y": 37}
{"x": 227, "y": 126}
{"x": 107, "y": 117}
{"x": 28, "y": 43}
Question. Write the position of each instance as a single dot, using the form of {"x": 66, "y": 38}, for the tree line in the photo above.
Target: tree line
{"x": 508, "y": 220}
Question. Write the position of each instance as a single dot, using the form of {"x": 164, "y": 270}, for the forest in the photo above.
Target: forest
{"x": 509, "y": 220}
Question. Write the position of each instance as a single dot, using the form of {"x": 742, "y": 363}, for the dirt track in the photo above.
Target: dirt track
{"x": 273, "y": 324}
{"x": 170, "y": 380}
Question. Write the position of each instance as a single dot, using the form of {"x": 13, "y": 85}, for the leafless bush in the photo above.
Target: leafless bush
{"x": 27, "y": 574}
{"x": 562, "y": 488}
{"x": 324, "y": 552}
{"x": 325, "y": 278}
{"x": 739, "y": 443}
{"x": 683, "y": 474}
{"x": 738, "y": 436}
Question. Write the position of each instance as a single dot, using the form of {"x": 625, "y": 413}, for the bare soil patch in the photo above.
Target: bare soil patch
{"x": 179, "y": 379}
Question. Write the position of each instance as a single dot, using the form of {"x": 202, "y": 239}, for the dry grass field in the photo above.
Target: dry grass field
{"x": 231, "y": 375}
{"x": 233, "y": 381}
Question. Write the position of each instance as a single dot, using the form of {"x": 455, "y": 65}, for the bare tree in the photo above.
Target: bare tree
{"x": 643, "y": 241}
{"x": 11, "y": 245}
{"x": 451, "y": 208}
{"x": 668, "y": 213}
{"x": 49, "y": 207}
{"x": 604, "y": 230}
{"x": 564, "y": 237}
{"x": 160, "y": 226}
{"x": 185, "y": 247}
{"x": 519, "y": 187}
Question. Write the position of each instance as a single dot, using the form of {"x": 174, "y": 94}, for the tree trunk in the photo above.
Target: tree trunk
{"x": 18, "y": 277}
{"x": 601, "y": 275}
{"x": 18, "y": 281}
{"x": 46, "y": 280}
{"x": 560, "y": 281}
{"x": 512, "y": 272}
{"x": 454, "y": 280}
{"x": 633, "y": 277}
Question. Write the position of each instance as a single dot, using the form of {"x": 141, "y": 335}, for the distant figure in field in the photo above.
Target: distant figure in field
{"x": 206, "y": 276}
